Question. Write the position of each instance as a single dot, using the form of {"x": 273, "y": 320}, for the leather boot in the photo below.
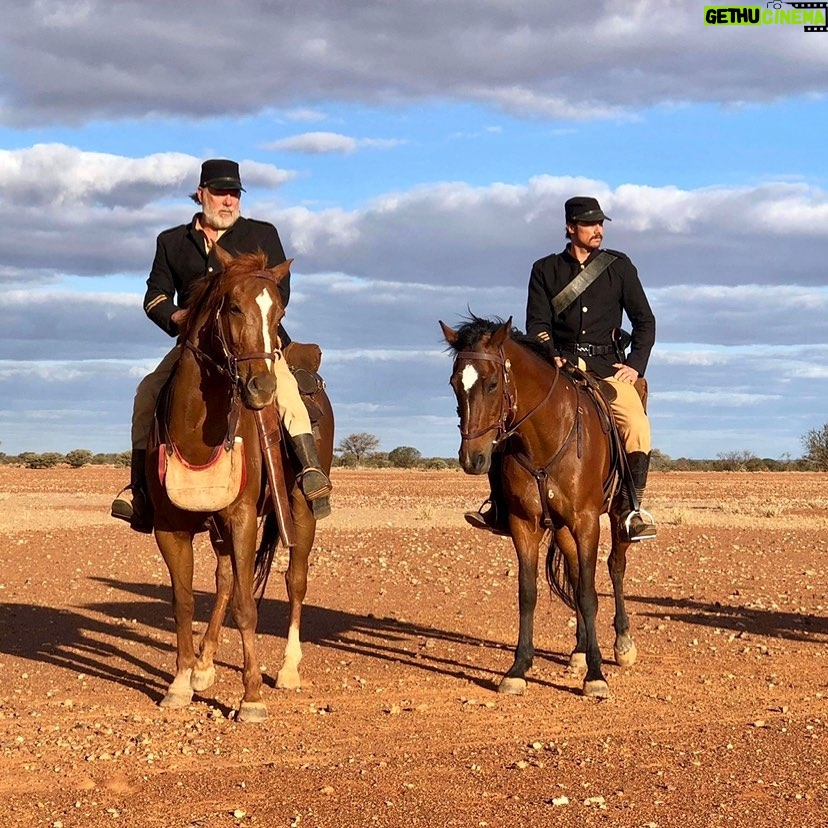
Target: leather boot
{"x": 492, "y": 516}
{"x": 639, "y": 523}
{"x": 314, "y": 483}
{"x": 137, "y": 512}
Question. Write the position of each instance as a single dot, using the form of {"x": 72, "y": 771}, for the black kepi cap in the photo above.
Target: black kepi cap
{"x": 584, "y": 208}
{"x": 221, "y": 174}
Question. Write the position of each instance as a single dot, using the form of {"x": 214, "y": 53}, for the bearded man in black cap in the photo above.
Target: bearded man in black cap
{"x": 575, "y": 306}
{"x": 183, "y": 255}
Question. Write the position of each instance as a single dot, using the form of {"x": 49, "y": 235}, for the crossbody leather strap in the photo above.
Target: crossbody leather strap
{"x": 582, "y": 281}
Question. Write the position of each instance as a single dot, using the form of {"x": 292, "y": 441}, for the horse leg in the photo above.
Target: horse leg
{"x": 177, "y": 551}
{"x": 296, "y": 581}
{"x": 566, "y": 543}
{"x": 526, "y": 543}
{"x": 587, "y": 533}
{"x": 204, "y": 672}
{"x": 242, "y": 543}
{"x": 625, "y": 651}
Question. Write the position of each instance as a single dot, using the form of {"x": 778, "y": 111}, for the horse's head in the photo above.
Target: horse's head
{"x": 244, "y": 307}
{"x": 480, "y": 383}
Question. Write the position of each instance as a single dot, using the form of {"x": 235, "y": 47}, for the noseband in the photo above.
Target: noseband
{"x": 508, "y": 402}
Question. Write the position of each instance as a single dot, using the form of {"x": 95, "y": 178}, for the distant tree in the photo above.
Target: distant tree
{"x": 742, "y": 460}
{"x": 404, "y": 457}
{"x": 359, "y": 445}
{"x": 816, "y": 448}
{"x": 79, "y": 457}
{"x": 41, "y": 461}
{"x": 659, "y": 461}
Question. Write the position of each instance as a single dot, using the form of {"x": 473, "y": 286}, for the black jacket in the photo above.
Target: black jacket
{"x": 181, "y": 259}
{"x": 595, "y": 314}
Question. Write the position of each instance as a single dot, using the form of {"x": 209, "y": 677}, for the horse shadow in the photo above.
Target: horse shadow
{"x": 130, "y": 641}
{"x": 791, "y": 626}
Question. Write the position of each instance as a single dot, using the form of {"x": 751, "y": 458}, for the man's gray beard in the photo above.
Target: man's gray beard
{"x": 217, "y": 221}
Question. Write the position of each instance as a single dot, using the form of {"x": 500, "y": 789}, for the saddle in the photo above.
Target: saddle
{"x": 588, "y": 384}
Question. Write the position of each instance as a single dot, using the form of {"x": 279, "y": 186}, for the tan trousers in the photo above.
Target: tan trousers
{"x": 628, "y": 411}
{"x": 292, "y": 410}
{"x": 632, "y": 421}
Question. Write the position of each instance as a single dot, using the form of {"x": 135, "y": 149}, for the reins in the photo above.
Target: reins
{"x": 230, "y": 368}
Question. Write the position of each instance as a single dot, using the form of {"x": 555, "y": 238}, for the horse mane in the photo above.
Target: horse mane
{"x": 475, "y": 328}
{"x": 209, "y": 291}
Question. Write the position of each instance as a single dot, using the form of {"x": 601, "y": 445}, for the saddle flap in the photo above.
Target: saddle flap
{"x": 208, "y": 488}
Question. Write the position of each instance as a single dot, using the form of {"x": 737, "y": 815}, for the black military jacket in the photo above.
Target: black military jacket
{"x": 181, "y": 259}
{"x": 593, "y": 316}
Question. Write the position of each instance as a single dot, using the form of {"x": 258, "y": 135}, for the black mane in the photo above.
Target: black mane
{"x": 475, "y": 328}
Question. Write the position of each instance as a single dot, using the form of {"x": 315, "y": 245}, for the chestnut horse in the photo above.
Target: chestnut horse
{"x": 556, "y": 444}
{"x": 223, "y": 376}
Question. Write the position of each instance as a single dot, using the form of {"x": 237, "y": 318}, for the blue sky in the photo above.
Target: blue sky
{"x": 415, "y": 157}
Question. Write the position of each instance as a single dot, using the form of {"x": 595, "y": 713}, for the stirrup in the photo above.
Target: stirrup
{"x": 649, "y": 530}
{"x": 122, "y": 508}
{"x": 486, "y": 520}
{"x": 322, "y": 489}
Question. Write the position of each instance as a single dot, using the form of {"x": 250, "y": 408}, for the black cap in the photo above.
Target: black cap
{"x": 584, "y": 208}
{"x": 221, "y": 174}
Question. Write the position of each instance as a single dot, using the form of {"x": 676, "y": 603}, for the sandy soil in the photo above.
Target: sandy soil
{"x": 409, "y": 624}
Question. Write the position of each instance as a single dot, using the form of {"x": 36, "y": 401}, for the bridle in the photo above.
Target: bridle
{"x": 508, "y": 400}
{"x": 230, "y": 368}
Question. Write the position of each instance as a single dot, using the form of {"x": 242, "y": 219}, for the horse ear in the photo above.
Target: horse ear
{"x": 224, "y": 258}
{"x": 449, "y": 334}
{"x": 501, "y": 334}
{"x": 280, "y": 271}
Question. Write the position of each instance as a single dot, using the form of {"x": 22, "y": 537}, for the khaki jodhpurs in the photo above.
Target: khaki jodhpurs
{"x": 628, "y": 411}
{"x": 289, "y": 403}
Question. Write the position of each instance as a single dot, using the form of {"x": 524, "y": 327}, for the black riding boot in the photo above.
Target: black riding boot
{"x": 640, "y": 524}
{"x": 315, "y": 484}
{"x": 493, "y": 516}
{"x": 137, "y": 512}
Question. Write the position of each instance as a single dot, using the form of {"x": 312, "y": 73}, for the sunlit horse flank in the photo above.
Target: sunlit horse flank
{"x": 226, "y": 364}
{"x": 551, "y": 433}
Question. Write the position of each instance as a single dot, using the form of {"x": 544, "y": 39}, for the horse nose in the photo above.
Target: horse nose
{"x": 260, "y": 389}
{"x": 475, "y": 463}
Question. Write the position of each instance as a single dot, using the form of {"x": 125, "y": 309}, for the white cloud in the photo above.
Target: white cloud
{"x": 526, "y": 57}
{"x": 320, "y": 143}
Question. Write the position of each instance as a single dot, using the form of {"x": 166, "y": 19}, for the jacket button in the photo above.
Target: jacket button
{"x": 584, "y": 308}
{"x": 209, "y": 269}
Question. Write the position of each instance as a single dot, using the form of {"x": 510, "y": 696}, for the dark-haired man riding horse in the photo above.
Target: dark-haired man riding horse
{"x": 575, "y": 306}
{"x": 183, "y": 255}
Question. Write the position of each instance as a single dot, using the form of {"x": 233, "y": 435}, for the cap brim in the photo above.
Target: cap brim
{"x": 592, "y": 215}
{"x": 224, "y": 184}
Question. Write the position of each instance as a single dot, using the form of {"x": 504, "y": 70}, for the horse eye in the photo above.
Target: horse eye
{"x": 492, "y": 386}
{"x": 234, "y": 308}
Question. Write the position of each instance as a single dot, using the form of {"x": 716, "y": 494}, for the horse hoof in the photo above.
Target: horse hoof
{"x": 626, "y": 657}
{"x": 512, "y": 686}
{"x": 577, "y": 663}
{"x": 202, "y": 679}
{"x": 288, "y": 680}
{"x": 176, "y": 699}
{"x": 596, "y": 689}
{"x": 252, "y": 712}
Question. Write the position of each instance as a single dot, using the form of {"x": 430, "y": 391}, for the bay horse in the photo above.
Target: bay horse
{"x": 223, "y": 376}
{"x": 558, "y": 469}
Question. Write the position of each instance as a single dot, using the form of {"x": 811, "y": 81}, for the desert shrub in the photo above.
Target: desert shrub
{"x": 78, "y": 457}
{"x": 404, "y": 457}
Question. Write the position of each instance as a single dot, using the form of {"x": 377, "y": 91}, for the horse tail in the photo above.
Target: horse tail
{"x": 265, "y": 554}
{"x": 557, "y": 573}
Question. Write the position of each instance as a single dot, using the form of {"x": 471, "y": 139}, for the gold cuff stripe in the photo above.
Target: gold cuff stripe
{"x": 154, "y": 303}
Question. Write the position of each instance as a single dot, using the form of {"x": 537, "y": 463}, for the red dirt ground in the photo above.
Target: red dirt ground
{"x": 409, "y": 624}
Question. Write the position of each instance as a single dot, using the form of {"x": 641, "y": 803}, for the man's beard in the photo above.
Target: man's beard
{"x": 218, "y": 220}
